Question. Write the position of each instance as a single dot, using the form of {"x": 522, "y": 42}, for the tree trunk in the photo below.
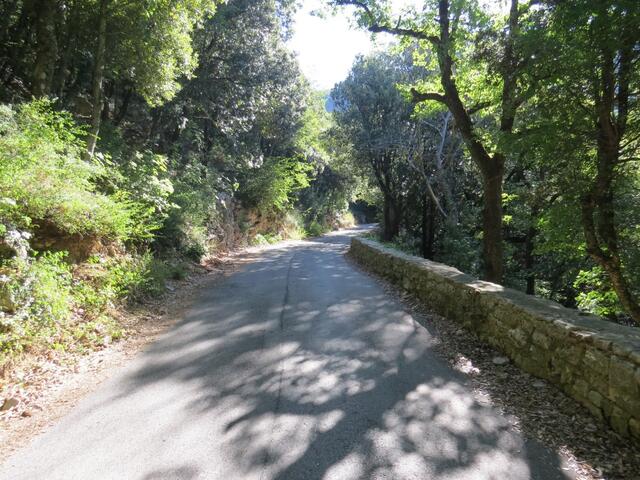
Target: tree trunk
{"x": 492, "y": 220}
{"x": 608, "y": 259}
{"x": 428, "y": 227}
{"x": 98, "y": 78}
{"x": 391, "y": 219}
{"x": 122, "y": 112}
{"x": 529, "y": 260}
{"x": 492, "y": 167}
{"x": 597, "y": 205}
{"x": 46, "y": 47}
{"x": 67, "y": 45}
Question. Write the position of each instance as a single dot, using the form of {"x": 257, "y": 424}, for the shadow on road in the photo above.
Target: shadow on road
{"x": 335, "y": 382}
{"x": 296, "y": 367}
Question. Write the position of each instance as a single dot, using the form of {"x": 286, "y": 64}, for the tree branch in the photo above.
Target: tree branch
{"x": 375, "y": 26}
{"x": 417, "y": 97}
{"x": 478, "y": 107}
{"x": 404, "y": 32}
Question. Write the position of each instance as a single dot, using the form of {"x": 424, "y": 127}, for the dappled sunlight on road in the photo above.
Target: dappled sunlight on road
{"x": 298, "y": 367}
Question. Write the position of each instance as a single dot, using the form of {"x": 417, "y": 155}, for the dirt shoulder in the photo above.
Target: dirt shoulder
{"x": 41, "y": 390}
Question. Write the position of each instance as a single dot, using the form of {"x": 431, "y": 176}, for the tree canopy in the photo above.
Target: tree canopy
{"x": 544, "y": 97}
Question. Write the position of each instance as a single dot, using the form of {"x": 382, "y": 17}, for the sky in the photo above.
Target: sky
{"x": 326, "y": 47}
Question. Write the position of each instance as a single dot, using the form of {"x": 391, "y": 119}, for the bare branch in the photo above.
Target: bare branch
{"x": 413, "y": 147}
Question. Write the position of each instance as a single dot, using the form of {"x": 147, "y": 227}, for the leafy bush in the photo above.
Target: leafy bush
{"x": 327, "y": 198}
{"x": 197, "y": 189}
{"x": 261, "y": 239}
{"x": 271, "y": 188}
{"x": 44, "y": 301}
{"x": 458, "y": 249}
{"x": 407, "y": 242}
{"x": 43, "y": 177}
{"x": 315, "y": 229}
{"x": 36, "y": 300}
{"x": 293, "y": 226}
{"x": 595, "y": 293}
{"x": 139, "y": 176}
{"x": 346, "y": 220}
{"x": 104, "y": 281}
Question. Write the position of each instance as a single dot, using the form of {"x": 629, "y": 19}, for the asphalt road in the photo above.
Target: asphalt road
{"x": 298, "y": 366}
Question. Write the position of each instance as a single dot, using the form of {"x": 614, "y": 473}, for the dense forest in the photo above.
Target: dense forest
{"x": 136, "y": 137}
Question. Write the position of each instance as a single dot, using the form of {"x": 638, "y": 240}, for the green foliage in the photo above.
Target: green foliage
{"x": 346, "y": 220}
{"x": 375, "y": 119}
{"x": 261, "y": 239}
{"x": 177, "y": 180}
{"x": 197, "y": 189}
{"x": 292, "y": 226}
{"x": 315, "y": 229}
{"x": 548, "y": 89}
{"x": 139, "y": 179}
{"x": 37, "y": 300}
{"x": 316, "y": 123}
{"x": 47, "y": 302}
{"x": 44, "y": 180}
{"x": 152, "y": 43}
{"x": 595, "y": 293}
{"x": 334, "y": 181}
{"x": 406, "y": 242}
{"x": 460, "y": 250}
{"x": 127, "y": 277}
{"x": 328, "y": 194}
{"x": 271, "y": 188}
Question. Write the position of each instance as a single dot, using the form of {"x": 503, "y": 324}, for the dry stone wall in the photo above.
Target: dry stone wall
{"x": 594, "y": 361}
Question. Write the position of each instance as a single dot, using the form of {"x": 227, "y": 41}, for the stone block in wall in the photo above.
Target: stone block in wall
{"x": 520, "y": 337}
{"x": 620, "y": 374}
{"x": 620, "y": 420}
{"x": 536, "y": 361}
{"x": 596, "y": 361}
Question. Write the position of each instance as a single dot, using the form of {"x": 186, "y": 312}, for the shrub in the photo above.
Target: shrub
{"x": 346, "y": 220}
{"x": 595, "y": 293}
{"x": 37, "y": 300}
{"x": 315, "y": 229}
{"x": 140, "y": 179}
{"x": 293, "y": 226}
{"x": 125, "y": 278}
{"x": 44, "y": 179}
{"x": 261, "y": 239}
{"x": 271, "y": 187}
{"x": 44, "y": 301}
{"x": 197, "y": 189}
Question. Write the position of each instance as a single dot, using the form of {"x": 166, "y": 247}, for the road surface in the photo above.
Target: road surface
{"x": 299, "y": 367}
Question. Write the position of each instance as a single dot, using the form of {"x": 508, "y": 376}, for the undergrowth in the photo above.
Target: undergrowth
{"x": 47, "y": 303}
